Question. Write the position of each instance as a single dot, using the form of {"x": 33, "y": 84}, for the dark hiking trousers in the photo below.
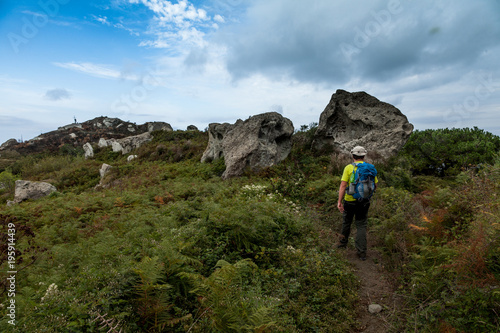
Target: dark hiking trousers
{"x": 357, "y": 210}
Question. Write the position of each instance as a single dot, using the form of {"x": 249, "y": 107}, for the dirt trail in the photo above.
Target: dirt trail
{"x": 375, "y": 289}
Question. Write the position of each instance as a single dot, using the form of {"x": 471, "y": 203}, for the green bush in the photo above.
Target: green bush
{"x": 7, "y": 184}
{"x": 449, "y": 151}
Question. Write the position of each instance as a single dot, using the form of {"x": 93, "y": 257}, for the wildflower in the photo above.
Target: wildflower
{"x": 51, "y": 290}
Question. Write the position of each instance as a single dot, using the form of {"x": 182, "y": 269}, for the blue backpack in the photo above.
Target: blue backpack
{"x": 362, "y": 183}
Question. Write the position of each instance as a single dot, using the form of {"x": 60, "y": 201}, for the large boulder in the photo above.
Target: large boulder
{"x": 258, "y": 142}
{"x": 126, "y": 145}
{"x": 158, "y": 126}
{"x": 32, "y": 190}
{"x": 216, "y": 134}
{"x": 359, "y": 119}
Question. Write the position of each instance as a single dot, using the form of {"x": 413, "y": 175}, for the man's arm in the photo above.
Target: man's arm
{"x": 343, "y": 186}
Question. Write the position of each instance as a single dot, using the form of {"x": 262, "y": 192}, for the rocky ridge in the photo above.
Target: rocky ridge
{"x": 78, "y": 134}
{"x": 350, "y": 119}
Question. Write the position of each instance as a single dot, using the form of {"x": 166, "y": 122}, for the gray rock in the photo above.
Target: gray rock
{"x": 192, "y": 128}
{"x": 107, "y": 122}
{"x": 31, "y": 190}
{"x": 359, "y": 119}
{"x": 133, "y": 142}
{"x": 159, "y": 126}
{"x": 103, "y": 143}
{"x": 374, "y": 308}
{"x": 256, "y": 143}
{"x": 216, "y": 134}
{"x": 131, "y": 158}
{"x": 116, "y": 146}
{"x": 62, "y": 128}
{"x": 105, "y": 168}
{"x": 126, "y": 145}
{"x": 89, "y": 151}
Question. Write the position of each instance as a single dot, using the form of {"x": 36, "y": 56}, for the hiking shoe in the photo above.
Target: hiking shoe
{"x": 341, "y": 246}
{"x": 362, "y": 255}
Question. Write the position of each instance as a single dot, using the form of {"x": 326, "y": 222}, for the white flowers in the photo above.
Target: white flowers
{"x": 259, "y": 192}
{"x": 254, "y": 190}
{"x": 51, "y": 291}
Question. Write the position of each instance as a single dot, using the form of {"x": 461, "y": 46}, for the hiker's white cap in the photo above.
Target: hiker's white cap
{"x": 358, "y": 151}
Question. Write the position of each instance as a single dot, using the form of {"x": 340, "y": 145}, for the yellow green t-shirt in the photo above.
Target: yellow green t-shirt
{"x": 346, "y": 176}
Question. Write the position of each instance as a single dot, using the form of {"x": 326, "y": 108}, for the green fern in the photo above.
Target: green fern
{"x": 153, "y": 302}
{"x": 228, "y": 299}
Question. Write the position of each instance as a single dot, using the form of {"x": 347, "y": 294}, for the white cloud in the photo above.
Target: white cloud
{"x": 101, "y": 19}
{"x": 119, "y": 25}
{"x": 177, "y": 26}
{"x": 219, "y": 19}
{"x": 157, "y": 44}
{"x": 178, "y": 13}
{"x": 334, "y": 42}
{"x": 96, "y": 70}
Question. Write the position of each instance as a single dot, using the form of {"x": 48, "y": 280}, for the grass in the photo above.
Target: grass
{"x": 164, "y": 245}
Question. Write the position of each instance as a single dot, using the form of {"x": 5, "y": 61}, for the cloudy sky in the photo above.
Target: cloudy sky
{"x": 202, "y": 61}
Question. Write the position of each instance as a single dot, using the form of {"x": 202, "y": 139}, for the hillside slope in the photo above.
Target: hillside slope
{"x": 165, "y": 245}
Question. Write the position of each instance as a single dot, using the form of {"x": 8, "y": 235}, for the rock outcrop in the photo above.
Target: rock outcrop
{"x": 126, "y": 145}
{"x": 158, "y": 126}
{"x": 89, "y": 151}
{"x": 78, "y": 134}
{"x": 256, "y": 143}
{"x": 359, "y": 119}
{"x": 216, "y": 134}
{"x": 31, "y": 190}
{"x": 9, "y": 144}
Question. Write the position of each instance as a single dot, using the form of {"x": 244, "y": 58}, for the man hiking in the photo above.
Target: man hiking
{"x": 357, "y": 185}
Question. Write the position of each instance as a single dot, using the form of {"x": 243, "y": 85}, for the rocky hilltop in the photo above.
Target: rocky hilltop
{"x": 350, "y": 119}
{"x": 78, "y": 134}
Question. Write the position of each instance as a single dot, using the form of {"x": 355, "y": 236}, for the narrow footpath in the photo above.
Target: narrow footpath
{"x": 375, "y": 289}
